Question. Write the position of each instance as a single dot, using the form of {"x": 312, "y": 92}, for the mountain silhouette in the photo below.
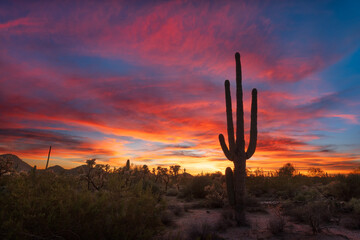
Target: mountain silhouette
{"x": 56, "y": 169}
{"x": 77, "y": 170}
{"x": 17, "y": 164}
{"x": 20, "y": 166}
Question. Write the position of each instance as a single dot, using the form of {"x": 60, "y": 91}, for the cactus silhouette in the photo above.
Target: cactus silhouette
{"x": 236, "y": 150}
{"x": 47, "y": 162}
{"x": 127, "y": 166}
{"x": 230, "y": 186}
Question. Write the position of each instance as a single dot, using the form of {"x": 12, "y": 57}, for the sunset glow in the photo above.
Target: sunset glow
{"x": 145, "y": 81}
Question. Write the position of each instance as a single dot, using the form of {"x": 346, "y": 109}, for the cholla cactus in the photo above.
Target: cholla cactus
{"x": 95, "y": 174}
{"x": 236, "y": 150}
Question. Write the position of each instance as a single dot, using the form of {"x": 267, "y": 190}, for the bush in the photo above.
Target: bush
{"x": 251, "y": 201}
{"x": 198, "y": 185}
{"x": 288, "y": 170}
{"x": 352, "y": 182}
{"x": 253, "y": 205}
{"x": 258, "y": 186}
{"x": 313, "y": 213}
{"x": 167, "y": 218}
{"x": 172, "y": 192}
{"x": 354, "y": 203}
{"x": 344, "y": 187}
{"x": 45, "y": 205}
{"x": 202, "y": 232}
{"x": 215, "y": 195}
{"x": 276, "y": 223}
{"x": 195, "y": 188}
{"x": 227, "y": 220}
{"x": 352, "y": 222}
{"x": 284, "y": 187}
{"x": 177, "y": 210}
{"x": 307, "y": 194}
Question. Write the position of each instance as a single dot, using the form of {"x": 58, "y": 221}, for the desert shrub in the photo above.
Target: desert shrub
{"x": 293, "y": 210}
{"x": 52, "y": 206}
{"x": 227, "y": 214}
{"x": 227, "y": 220}
{"x": 344, "y": 187}
{"x": 307, "y": 194}
{"x": 258, "y": 185}
{"x": 177, "y": 210}
{"x": 198, "y": 185}
{"x": 251, "y": 201}
{"x": 351, "y": 222}
{"x": 215, "y": 195}
{"x": 313, "y": 213}
{"x": 354, "y": 203}
{"x": 195, "y": 188}
{"x": 185, "y": 193}
{"x": 284, "y": 186}
{"x": 155, "y": 188}
{"x": 167, "y": 218}
{"x": 352, "y": 182}
{"x": 353, "y": 219}
{"x": 253, "y": 205}
{"x": 288, "y": 170}
{"x": 276, "y": 223}
{"x": 315, "y": 172}
{"x": 202, "y": 232}
{"x": 172, "y": 192}
{"x": 335, "y": 189}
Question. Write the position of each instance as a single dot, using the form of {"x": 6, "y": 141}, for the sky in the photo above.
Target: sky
{"x": 144, "y": 81}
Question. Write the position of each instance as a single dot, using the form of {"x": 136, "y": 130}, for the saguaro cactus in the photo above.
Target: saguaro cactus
{"x": 236, "y": 150}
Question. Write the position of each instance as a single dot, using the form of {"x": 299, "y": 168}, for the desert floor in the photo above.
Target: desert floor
{"x": 187, "y": 217}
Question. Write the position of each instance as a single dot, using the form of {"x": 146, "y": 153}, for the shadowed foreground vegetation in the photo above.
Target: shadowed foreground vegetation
{"x": 47, "y": 205}
{"x": 132, "y": 202}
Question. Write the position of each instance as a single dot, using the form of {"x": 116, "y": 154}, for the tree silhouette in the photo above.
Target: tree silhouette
{"x": 288, "y": 170}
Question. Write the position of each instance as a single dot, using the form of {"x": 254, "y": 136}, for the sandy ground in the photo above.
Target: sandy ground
{"x": 196, "y": 217}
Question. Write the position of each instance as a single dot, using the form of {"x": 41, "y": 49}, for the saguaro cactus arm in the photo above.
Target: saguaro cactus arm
{"x": 224, "y": 147}
{"x": 240, "y": 141}
{"x": 229, "y": 117}
{"x": 229, "y": 152}
{"x": 253, "y": 125}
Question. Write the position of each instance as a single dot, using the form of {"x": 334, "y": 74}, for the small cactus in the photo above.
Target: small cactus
{"x": 127, "y": 167}
{"x": 230, "y": 186}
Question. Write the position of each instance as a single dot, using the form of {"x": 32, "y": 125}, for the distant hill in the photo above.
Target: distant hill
{"x": 57, "y": 169}
{"x": 17, "y": 164}
{"x": 77, "y": 170}
{"x": 20, "y": 166}
{"x": 185, "y": 174}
